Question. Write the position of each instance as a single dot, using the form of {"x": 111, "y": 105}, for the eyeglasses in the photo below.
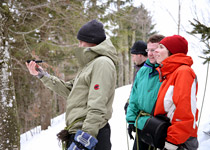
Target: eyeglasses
{"x": 151, "y": 50}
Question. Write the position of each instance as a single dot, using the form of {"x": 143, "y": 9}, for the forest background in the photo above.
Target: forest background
{"x": 46, "y": 30}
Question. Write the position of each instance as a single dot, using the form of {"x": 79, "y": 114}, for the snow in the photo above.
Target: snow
{"x": 36, "y": 139}
{"x": 47, "y": 139}
{"x": 165, "y": 15}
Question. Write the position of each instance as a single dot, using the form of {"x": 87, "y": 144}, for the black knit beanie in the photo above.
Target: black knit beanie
{"x": 139, "y": 47}
{"x": 92, "y": 32}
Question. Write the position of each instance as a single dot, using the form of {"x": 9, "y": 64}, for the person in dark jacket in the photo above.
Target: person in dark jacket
{"x": 90, "y": 95}
{"x": 139, "y": 56}
{"x": 144, "y": 94}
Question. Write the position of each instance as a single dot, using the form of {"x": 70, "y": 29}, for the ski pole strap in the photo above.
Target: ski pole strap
{"x": 73, "y": 123}
{"x": 141, "y": 113}
{"x": 68, "y": 127}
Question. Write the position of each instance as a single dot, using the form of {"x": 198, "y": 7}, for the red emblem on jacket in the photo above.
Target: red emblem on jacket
{"x": 96, "y": 87}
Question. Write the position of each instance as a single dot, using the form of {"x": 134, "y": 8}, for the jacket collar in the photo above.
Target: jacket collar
{"x": 87, "y": 54}
{"x": 171, "y": 63}
{"x": 152, "y": 66}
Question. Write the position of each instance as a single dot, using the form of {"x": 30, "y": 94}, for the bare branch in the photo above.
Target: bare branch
{"x": 26, "y": 43}
{"x": 20, "y": 63}
{"x": 31, "y": 30}
{"x": 48, "y": 4}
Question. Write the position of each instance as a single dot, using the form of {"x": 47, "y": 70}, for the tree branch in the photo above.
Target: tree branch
{"x": 31, "y": 30}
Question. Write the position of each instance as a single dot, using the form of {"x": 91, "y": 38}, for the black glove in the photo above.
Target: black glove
{"x": 131, "y": 128}
{"x": 125, "y": 107}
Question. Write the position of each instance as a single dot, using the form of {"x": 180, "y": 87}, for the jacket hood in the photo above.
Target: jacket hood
{"x": 174, "y": 61}
{"x": 106, "y": 48}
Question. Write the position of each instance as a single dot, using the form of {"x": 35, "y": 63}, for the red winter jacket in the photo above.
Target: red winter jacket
{"x": 177, "y": 97}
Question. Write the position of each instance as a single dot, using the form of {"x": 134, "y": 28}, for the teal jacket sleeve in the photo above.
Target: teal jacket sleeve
{"x": 132, "y": 110}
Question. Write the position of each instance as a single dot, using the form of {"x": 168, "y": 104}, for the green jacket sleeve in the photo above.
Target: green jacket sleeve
{"x": 59, "y": 86}
{"x": 132, "y": 110}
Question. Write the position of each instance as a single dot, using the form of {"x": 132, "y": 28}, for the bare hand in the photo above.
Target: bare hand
{"x": 32, "y": 67}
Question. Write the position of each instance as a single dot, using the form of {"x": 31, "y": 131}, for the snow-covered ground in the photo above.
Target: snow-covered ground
{"x": 47, "y": 139}
{"x": 36, "y": 139}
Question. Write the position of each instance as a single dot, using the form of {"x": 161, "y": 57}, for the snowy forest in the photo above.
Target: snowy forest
{"x": 46, "y": 30}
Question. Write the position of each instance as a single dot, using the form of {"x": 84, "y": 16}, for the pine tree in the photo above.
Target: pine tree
{"x": 204, "y": 32}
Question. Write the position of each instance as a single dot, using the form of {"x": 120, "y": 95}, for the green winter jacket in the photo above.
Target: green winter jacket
{"x": 144, "y": 94}
{"x": 90, "y": 95}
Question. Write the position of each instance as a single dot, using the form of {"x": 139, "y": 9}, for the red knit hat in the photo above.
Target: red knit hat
{"x": 175, "y": 44}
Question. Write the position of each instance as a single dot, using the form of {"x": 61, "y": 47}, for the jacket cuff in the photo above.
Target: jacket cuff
{"x": 131, "y": 122}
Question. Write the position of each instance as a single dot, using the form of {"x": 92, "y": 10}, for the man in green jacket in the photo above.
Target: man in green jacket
{"x": 144, "y": 94}
{"x": 90, "y": 95}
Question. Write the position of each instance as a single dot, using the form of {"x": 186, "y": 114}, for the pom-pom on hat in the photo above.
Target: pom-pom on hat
{"x": 175, "y": 44}
{"x": 139, "y": 47}
{"x": 92, "y": 32}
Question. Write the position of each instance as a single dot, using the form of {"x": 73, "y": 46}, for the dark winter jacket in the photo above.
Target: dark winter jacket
{"x": 90, "y": 95}
{"x": 137, "y": 68}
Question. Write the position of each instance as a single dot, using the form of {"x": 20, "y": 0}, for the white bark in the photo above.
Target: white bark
{"x": 9, "y": 127}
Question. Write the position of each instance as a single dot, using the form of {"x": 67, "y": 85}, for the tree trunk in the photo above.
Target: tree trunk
{"x": 9, "y": 126}
{"x": 120, "y": 70}
{"x": 131, "y": 62}
{"x": 126, "y": 65}
{"x": 126, "y": 60}
{"x": 179, "y": 17}
{"x": 46, "y": 107}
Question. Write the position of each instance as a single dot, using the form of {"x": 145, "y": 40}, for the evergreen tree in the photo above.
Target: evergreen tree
{"x": 129, "y": 25}
{"x": 204, "y": 32}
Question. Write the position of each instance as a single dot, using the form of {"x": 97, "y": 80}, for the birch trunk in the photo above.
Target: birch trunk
{"x": 126, "y": 59}
{"x": 131, "y": 62}
{"x": 120, "y": 70}
{"x": 9, "y": 126}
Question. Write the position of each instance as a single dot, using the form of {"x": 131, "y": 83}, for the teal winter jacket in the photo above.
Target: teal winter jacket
{"x": 144, "y": 94}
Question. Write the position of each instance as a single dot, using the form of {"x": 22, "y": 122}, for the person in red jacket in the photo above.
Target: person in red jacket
{"x": 177, "y": 94}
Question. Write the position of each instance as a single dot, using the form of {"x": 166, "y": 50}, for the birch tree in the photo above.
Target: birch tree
{"x": 9, "y": 126}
